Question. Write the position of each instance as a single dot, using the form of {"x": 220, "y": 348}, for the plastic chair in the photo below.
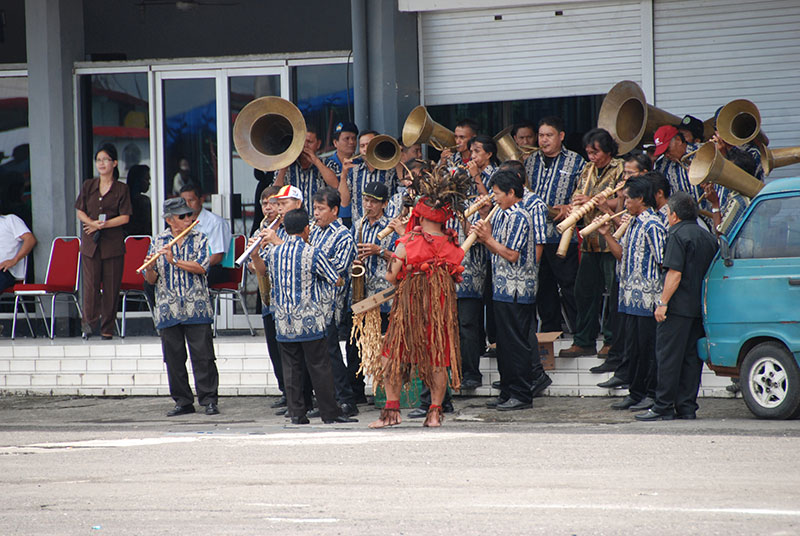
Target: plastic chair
{"x": 233, "y": 286}
{"x": 63, "y": 275}
{"x": 132, "y": 287}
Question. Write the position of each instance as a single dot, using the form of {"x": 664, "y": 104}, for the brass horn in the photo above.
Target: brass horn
{"x": 420, "y": 128}
{"x": 507, "y": 148}
{"x": 710, "y": 166}
{"x": 269, "y": 133}
{"x": 738, "y": 122}
{"x": 779, "y": 157}
{"x": 383, "y": 152}
{"x": 626, "y": 115}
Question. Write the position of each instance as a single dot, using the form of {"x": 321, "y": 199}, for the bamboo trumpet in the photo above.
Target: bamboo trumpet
{"x": 620, "y": 232}
{"x": 476, "y": 206}
{"x": 584, "y": 209}
{"x": 563, "y": 244}
{"x": 470, "y": 240}
{"x": 172, "y": 242}
{"x": 592, "y": 227}
{"x": 246, "y": 254}
{"x": 388, "y": 230}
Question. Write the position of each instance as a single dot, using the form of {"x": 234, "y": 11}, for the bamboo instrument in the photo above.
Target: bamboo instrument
{"x": 172, "y": 242}
{"x": 584, "y": 209}
{"x": 563, "y": 244}
{"x": 386, "y": 231}
{"x": 621, "y": 230}
{"x": 476, "y": 206}
{"x": 470, "y": 240}
{"x": 592, "y": 227}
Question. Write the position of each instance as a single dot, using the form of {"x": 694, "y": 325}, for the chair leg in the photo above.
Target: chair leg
{"x": 38, "y": 301}
{"x": 14, "y": 322}
{"x": 124, "y": 303}
{"x": 246, "y": 315}
{"x": 27, "y": 318}
{"x": 53, "y": 317}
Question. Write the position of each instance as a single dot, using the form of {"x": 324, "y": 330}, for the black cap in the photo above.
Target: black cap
{"x": 345, "y": 126}
{"x": 176, "y": 206}
{"x": 377, "y": 190}
{"x": 693, "y": 125}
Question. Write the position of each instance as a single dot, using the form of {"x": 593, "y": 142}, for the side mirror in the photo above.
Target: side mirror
{"x": 725, "y": 251}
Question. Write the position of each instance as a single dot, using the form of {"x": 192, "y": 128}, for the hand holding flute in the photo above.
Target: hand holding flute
{"x": 600, "y": 221}
{"x": 152, "y": 259}
{"x": 255, "y": 242}
{"x": 480, "y": 227}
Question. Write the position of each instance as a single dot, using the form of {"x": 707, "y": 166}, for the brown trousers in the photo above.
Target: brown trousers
{"x": 100, "y": 273}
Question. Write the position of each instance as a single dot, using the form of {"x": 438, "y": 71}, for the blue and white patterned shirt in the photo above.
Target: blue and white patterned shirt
{"x": 307, "y": 180}
{"x": 538, "y": 211}
{"x": 358, "y": 177}
{"x": 732, "y": 211}
{"x": 335, "y": 164}
{"x": 555, "y": 184}
{"x": 336, "y": 242}
{"x": 677, "y": 173}
{"x": 640, "y": 282}
{"x": 303, "y": 280}
{"x": 395, "y": 206}
{"x": 375, "y": 266}
{"x": 181, "y": 296}
{"x": 514, "y": 281}
{"x": 486, "y": 177}
{"x": 663, "y": 212}
{"x": 475, "y": 263}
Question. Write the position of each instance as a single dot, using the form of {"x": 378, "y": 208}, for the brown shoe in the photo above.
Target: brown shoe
{"x": 603, "y": 353}
{"x": 577, "y": 351}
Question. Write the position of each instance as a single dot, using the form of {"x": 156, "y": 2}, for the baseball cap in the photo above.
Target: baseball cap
{"x": 377, "y": 190}
{"x": 662, "y": 137}
{"x": 345, "y": 126}
{"x": 176, "y": 206}
{"x": 288, "y": 192}
{"x": 693, "y": 125}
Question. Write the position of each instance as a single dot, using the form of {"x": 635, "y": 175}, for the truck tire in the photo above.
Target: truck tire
{"x": 770, "y": 381}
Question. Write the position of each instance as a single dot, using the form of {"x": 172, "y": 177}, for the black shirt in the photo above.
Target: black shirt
{"x": 689, "y": 250}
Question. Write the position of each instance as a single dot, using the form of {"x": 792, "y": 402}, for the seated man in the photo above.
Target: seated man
{"x": 16, "y": 241}
{"x": 216, "y": 229}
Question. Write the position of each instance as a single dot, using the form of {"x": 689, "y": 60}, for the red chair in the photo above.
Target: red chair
{"x": 233, "y": 286}
{"x": 132, "y": 286}
{"x": 63, "y": 274}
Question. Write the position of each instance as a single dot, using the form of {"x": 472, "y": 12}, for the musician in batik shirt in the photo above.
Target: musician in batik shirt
{"x": 183, "y": 310}
{"x": 465, "y": 130}
{"x": 640, "y": 255}
{"x": 308, "y": 173}
{"x": 345, "y": 138}
{"x": 553, "y": 172}
{"x": 482, "y": 163}
{"x": 726, "y": 215}
{"x": 356, "y": 174}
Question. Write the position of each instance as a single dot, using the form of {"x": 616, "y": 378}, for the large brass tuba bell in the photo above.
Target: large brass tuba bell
{"x": 779, "y": 157}
{"x": 626, "y": 115}
{"x": 710, "y": 166}
{"x": 383, "y": 152}
{"x": 269, "y": 133}
{"x": 738, "y": 122}
{"x": 420, "y": 128}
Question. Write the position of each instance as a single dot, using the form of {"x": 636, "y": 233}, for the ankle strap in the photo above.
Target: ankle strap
{"x": 392, "y": 404}
{"x": 434, "y": 406}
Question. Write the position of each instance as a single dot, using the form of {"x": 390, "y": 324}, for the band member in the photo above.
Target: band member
{"x": 465, "y": 130}
{"x": 661, "y": 193}
{"x": 482, "y": 163}
{"x": 357, "y": 174}
{"x": 524, "y": 135}
{"x": 597, "y": 264}
{"x": 750, "y": 147}
{"x": 640, "y": 255}
{"x": 308, "y": 173}
{"x": 301, "y": 296}
{"x": 691, "y": 128}
{"x": 553, "y": 172}
{"x": 687, "y": 256}
{"x": 509, "y": 239}
{"x": 183, "y": 310}
{"x": 422, "y": 333}
{"x": 401, "y": 202}
{"x": 345, "y": 138}
{"x": 336, "y": 242}
{"x": 671, "y": 149}
{"x": 734, "y": 208}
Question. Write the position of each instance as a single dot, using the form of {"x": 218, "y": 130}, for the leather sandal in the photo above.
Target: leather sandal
{"x": 433, "y": 409}
{"x": 390, "y": 415}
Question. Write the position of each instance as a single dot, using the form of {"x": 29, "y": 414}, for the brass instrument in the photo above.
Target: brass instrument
{"x": 738, "y": 122}
{"x": 779, "y": 157}
{"x": 269, "y": 133}
{"x": 420, "y": 128}
{"x": 473, "y": 236}
{"x": 710, "y": 166}
{"x": 358, "y": 282}
{"x": 507, "y": 148}
{"x": 595, "y": 225}
{"x": 383, "y": 152}
{"x": 171, "y": 243}
{"x": 626, "y": 115}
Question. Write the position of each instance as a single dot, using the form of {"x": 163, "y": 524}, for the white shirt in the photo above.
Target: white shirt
{"x": 216, "y": 230}
{"x": 11, "y": 230}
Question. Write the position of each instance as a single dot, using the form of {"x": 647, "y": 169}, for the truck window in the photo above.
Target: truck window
{"x": 771, "y": 231}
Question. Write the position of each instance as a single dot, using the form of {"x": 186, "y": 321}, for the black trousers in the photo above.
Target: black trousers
{"x": 341, "y": 380}
{"x": 595, "y": 274}
{"x": 679, "y": 367}
{"x": 312, "y": 355}
{"x": 557, "y": 274}
{"x": 490, "y": 329}
{"x": 616, "y": 355}
{"x": 470, "y": 334}
{"x": 354, "y": 363}
{"x": 204, "y": 368}
{"x": 514, "y": 353}
{"x": 273, "y": 348}
{"x": 640, "y": 347}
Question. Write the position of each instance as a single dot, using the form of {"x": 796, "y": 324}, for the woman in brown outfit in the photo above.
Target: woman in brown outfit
{"x": 104, "y": 207}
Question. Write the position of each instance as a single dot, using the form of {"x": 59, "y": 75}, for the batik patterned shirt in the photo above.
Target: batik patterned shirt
{"x": 336, "y": 242}
{"x": 640, "y": 282}
{"x": 358, "y": 177}
{"x": 514, "y": 282}
{"x": 303, "y": 280}
{"x": 538, "y": 211}
{"x": 610, "y": 176}
{"x": 486, "y": 177}
{"x": 375, "y": 266}
{"x": 662, "y": 213}
{"x": 181, "y": 296}
{"x": 732, "y": 211}
{"x": 335, "y": 164}
{"x": 677, "y": 173}
{"x": 395, "y": 206}
{"x": 307, "y": 180}
{"x": 555, "y": 184}
{"x": 475, "y": 262}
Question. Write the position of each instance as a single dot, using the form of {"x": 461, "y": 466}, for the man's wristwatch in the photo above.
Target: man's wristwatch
{"x": 661, "y": 303}
{"x": 715, "y": 210}
{"x": 381, "y": 252}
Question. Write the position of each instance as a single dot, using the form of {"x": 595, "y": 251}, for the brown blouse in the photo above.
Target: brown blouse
{"x": 116, "y": 202}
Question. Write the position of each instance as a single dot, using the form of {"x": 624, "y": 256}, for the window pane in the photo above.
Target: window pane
{"x": 771, "y": 231}
{"x": 15, "y": 169}
{"x": 325, "y": 96}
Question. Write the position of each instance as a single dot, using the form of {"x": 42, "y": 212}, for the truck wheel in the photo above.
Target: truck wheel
{"x": 770, "y": 381}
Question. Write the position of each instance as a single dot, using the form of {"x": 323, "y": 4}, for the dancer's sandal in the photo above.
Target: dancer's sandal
{"x": 390, "y": 415}
{"x": 434, "y": 409}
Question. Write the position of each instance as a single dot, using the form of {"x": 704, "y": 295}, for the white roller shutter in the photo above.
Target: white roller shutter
{"x": 709, "y": 53}
{"x": 530, "y": 52}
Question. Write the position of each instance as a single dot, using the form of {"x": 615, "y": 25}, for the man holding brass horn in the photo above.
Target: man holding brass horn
{"x": 553, "y": 172}
{"x": 357, "y": 173}
{"x": 183, "y": 309}
{"x": 345, "y": 138}
{"x": 465, "y": 130}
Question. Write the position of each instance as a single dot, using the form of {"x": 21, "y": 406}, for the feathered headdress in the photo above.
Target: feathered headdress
{"x": 441, "y": 192}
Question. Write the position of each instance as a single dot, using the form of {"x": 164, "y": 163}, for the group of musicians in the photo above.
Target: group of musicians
{"x": 322, "y": 229}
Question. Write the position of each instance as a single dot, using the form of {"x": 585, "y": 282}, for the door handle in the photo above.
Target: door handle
{"x": 794, "y": 282}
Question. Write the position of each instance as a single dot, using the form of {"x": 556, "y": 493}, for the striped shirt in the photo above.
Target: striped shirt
{"x": 307, "y": 180}
{"x": 336, "y": 242}
{"x": 375, "y": 266}
{"x": 677, "y": 173}
{"x": 475, "y": 263}
{"x": 358, "y": 177}
{"x": 732, "y": 211}
{"x": 538, "y": 211}
{"x": 640, "y": 282}
{"x": 555, "y": 184}
{"x": 514, "y": 282}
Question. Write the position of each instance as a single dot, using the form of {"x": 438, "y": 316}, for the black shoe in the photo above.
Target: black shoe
{"x": 540, "y": 384}
{"x": 625, "y": 403}
{"x": 281, "y": 403}
{"x": 313, "y": 414}
{"x": 645, "y": 403}
{"x": 469, "y": 385}
{"x": 605, "y": 367}
{"x": 612, "y": 383}
{"x": 361, "y": 400}
{"x": 494, "y": 402}
{"x": 651, "y": 415}
{"x": 496, "y": 385}
{"x": 349, "y": 410}
{"x": 302, "y": 419}
{"x": 417, "y": 413}
{"x": 212, "y": 409}
{"x": 341, "y": 419}
{"x": 180, "y": 410}
{"x": 490, "y": 352}
{"x": 686, "y": 416}
{"x": 282, "y": 411}
{"x": 513, "y": 404}
{"x": 448, "y": 408}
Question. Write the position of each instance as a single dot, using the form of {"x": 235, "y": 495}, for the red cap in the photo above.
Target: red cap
{"x": 662, "y": 137}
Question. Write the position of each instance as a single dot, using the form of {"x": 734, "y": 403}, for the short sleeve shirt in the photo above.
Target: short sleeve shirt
{"x": 475, "y": 262}
{"x": 555, "y": 184}
{"x": 307, "y": 180}
{"x": 689, "y": 250}
{"x": 116, "y": 202}
{"x": 514, "y": 282}
{"x": 358, "y": 177}
{"x": 12, "y": 228}
{"x": 216, "y": 230}
{"x": 336, "y": 242}
{"x": 591, "y": 184}
{"x": 640, "y": 280}
{"x": 375, "y": 266}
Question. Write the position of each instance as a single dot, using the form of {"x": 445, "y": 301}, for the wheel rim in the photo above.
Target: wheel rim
{"x": 768, "y": 382}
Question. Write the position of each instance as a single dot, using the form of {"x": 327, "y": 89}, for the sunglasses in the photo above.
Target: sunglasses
{"x": 183, "y": 216}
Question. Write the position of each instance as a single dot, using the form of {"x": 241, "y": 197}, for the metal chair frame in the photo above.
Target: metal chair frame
{"x": 232, "y": 294}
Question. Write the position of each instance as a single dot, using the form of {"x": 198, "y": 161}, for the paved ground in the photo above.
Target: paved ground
{"x": 568, "y": 466}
